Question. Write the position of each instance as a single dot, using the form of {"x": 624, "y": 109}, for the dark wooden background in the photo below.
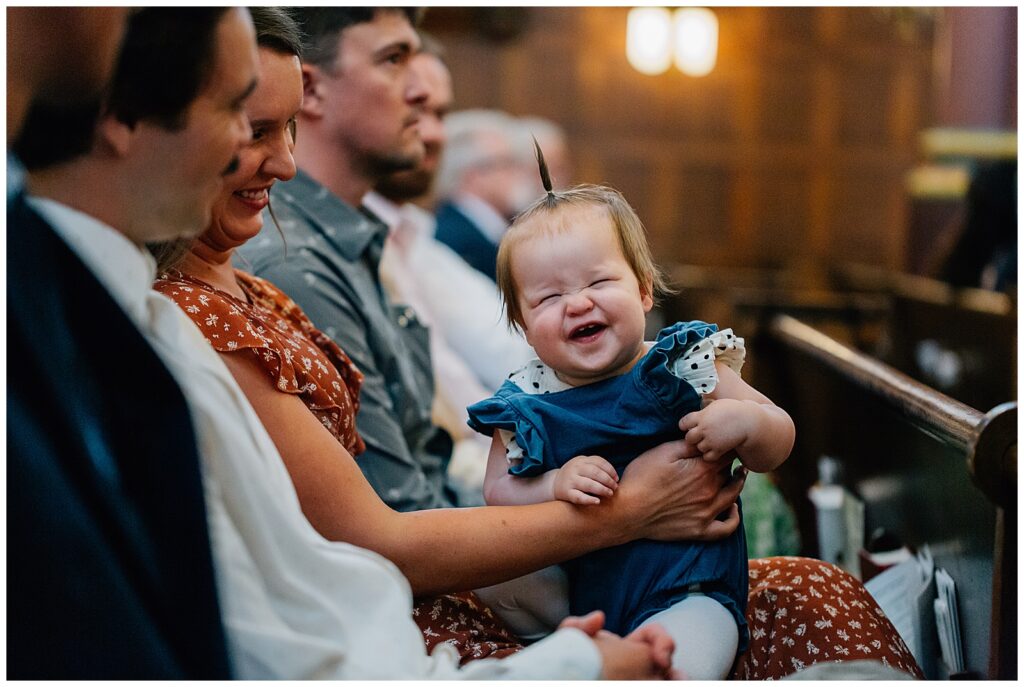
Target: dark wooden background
{"x": 792, "y": 152}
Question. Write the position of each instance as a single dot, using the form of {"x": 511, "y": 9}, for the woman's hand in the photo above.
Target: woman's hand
{"x": 723, "y": 425}
{"x": 644, "y": 654}
{"x": 585, "y": 479}
{"x": 665, "y": 495}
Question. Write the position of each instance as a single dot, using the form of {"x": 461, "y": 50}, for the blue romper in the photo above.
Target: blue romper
{"x": 618, "y": 419}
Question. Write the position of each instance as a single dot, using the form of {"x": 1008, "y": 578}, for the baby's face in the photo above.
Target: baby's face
{"x": 583, "y": 308}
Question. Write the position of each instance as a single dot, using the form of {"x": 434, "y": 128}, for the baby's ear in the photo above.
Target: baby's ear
{"x": 647, "y": 295}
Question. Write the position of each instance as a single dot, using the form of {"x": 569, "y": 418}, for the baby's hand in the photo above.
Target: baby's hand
{"x": 723, "y": 425}
{"x": 584, "y": 479}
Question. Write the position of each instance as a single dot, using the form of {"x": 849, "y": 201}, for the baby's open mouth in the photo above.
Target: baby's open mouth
{"x": 586, "y": 331}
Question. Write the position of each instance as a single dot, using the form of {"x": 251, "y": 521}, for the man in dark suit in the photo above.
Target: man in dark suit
{"x": 485, "y": 178}
{"x": 109, "y": 563}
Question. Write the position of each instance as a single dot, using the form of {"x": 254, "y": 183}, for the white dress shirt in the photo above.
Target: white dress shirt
{"x": 294, "y": 605}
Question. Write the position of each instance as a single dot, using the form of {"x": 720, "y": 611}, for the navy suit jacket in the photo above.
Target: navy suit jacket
{"x": 109, "y": 571}
{"x": 460, "y": 234}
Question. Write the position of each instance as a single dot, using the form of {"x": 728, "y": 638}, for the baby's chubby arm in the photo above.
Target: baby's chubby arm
{"x": 582, "y": 480}
{"x": 740, "y": 418}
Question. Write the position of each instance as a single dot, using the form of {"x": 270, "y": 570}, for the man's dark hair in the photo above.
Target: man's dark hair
{"x": 278, "y": 30}
{"x": 166, "y": 58}
{"x": 323, "y": 24}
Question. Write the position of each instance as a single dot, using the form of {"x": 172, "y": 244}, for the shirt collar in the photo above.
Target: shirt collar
{"x": 407, "y": 217}
{"x": 307, "y": 197}
{"x": 386, "y": 210}
{"x": 125, "y": 270}
{"x": 488, "y": 220}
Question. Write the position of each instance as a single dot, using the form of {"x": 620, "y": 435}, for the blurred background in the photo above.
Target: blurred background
{"x": 812, "y": 141}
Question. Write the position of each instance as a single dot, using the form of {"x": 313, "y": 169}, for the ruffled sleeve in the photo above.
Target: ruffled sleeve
{"x": 524, "y": 441}
{"x": 298, "y": 360}
{"x": 688, "y": 351}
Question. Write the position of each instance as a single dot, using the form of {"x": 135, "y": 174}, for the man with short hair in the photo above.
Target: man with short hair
{"x": 359, "y": 123}
{"x": 471, "y": 348}
{"x": 109, "y": 572}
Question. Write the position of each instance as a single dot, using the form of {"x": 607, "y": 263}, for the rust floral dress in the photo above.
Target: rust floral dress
{"x": 300, "y": 359}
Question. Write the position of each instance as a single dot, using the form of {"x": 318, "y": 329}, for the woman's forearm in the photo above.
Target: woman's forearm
{"x": 455, "y": 549}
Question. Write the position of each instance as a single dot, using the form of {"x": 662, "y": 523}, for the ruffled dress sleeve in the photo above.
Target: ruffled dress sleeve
{"x": 519, "y": 430}
{"x": 687, "y": 352}
{"x": 297, "y": 357}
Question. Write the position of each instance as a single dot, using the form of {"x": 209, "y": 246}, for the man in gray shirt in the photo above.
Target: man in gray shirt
{"x": 358, "y": 124}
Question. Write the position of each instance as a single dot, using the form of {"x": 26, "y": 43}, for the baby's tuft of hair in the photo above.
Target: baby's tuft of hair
{"x": 542, "y": 217}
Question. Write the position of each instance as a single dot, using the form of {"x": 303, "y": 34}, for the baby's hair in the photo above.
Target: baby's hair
{"x": 628, "y": 228}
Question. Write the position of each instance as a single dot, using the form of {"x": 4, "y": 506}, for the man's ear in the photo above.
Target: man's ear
{"x": 312, "y": 92}
{"x": 114, "y": 135}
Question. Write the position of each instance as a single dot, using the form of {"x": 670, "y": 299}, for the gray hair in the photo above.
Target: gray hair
{"x": 462, "y": 152}
{"x": 544, "y": 130}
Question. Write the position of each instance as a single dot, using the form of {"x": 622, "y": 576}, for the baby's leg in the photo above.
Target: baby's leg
{"x": 531, "y": 605}
{"x": 705, "y": 634}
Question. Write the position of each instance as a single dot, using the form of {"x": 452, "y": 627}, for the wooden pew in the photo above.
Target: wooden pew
{"x": 931, "y": 469}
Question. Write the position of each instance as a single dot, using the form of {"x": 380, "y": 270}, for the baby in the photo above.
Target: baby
{"x": 578, "y": 279}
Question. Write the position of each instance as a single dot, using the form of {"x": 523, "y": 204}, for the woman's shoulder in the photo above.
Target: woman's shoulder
{"x": 197, "y": 298}
{"x": 267, "y": 295}
{"x": 227, "y": 322}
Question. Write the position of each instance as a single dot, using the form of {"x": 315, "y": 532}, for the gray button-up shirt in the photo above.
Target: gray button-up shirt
{"x": 330, "y": 268}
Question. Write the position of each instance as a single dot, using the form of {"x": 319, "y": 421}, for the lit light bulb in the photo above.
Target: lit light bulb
{"x": 649, "y": 39}
{"x": 696, "y": 40}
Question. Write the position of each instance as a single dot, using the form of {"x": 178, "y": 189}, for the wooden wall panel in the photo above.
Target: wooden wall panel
{"x": 792, "y": 151}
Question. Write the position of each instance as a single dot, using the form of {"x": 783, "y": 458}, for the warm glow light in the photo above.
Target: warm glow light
{"x": 649, "y": 39}
{"x": 696, "y": 40}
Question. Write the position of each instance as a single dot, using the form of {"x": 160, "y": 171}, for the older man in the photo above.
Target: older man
{"x": 487, "y": 176}
{"x": 109, "y": 567}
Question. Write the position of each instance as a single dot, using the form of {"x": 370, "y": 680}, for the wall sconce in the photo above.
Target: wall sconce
{"x": 654, "y": 36}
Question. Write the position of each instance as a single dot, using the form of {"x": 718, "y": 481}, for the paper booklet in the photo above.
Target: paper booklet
{"x": 906, "y": 593}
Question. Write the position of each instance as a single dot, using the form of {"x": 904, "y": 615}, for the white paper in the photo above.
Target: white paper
{"x": 906, "y": 593}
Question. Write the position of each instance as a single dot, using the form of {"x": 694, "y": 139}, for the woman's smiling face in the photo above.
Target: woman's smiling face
{"x": 238, "y": 213}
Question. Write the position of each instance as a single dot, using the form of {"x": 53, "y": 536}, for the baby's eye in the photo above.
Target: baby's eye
{"x": 600, "y": 281}
{"x": 547, "y": 298}
{"x": 257, "y": 134}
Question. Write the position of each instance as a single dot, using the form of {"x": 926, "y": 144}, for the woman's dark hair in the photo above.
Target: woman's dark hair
{"x": 277, "y": 29}
{"x": 166, "y": 60}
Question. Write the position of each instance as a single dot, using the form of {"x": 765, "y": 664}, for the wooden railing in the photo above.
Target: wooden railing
{"x": 988, "y": 440}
